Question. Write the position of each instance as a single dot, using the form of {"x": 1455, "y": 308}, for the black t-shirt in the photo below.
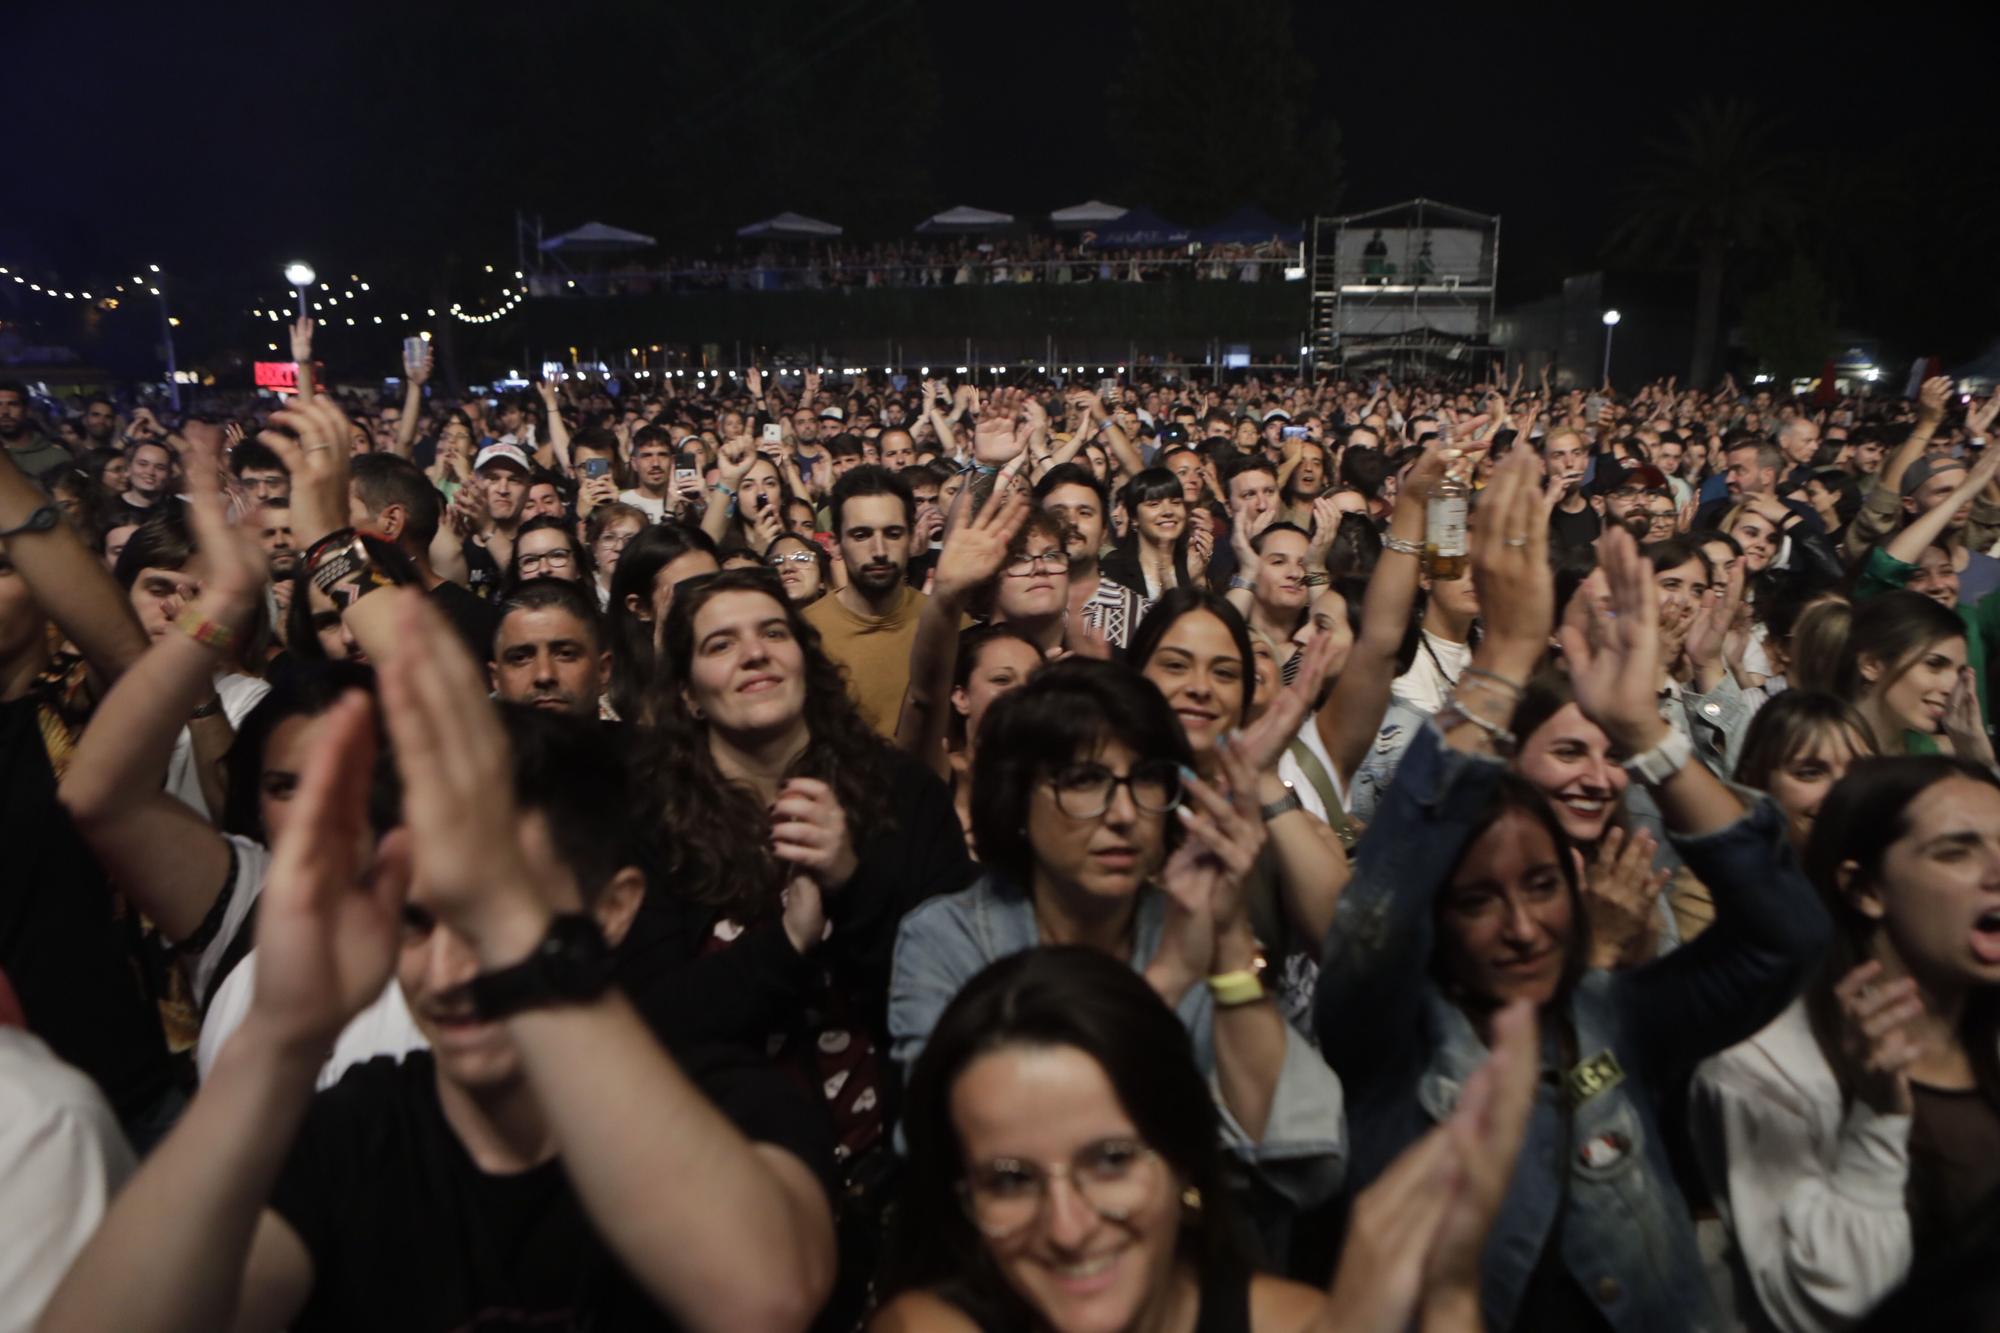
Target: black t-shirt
{"x": 1568, "y": 531}
{"x": 62, "y": 944}
{"x": 483, "y": 572}
{"x": 471, "y": 615}
{"x": 406, "y": 1233}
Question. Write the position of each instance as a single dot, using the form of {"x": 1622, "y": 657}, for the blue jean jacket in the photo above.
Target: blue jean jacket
{"x": 1593, "y": 1176}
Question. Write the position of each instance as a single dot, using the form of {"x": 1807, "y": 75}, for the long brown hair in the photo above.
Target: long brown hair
{"x": 716, "y": 832}
{"x": 1866, "y": 813}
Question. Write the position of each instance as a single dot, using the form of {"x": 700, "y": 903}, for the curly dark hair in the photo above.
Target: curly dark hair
{"x": 717, "y": 830}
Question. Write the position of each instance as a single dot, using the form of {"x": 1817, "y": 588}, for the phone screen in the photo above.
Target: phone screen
{"x": 593, "y": 468}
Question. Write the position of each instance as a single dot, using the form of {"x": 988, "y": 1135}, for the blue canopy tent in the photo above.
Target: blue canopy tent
{"x": 1141, "y": 229}
{"x": 1249, "y": 226}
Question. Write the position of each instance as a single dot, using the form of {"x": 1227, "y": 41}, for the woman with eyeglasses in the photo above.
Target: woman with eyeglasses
{"x": 1031, "y": 595}
{"x": 609, "y": 530}
{"x": 1094, "y": 831}
{"x": 801, "y": 565}
{"x": 1065, "y": 1175}
{"x": 545, "y": 548}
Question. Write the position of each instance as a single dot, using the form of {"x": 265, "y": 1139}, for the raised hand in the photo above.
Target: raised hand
{"x": 1510, "y": 565}
{"x": 1876, "y": 1035}
{"x": 420, "y": 373}
{"x": 1962, "y": 721}
{"x": 1620, "y": 892}
{"x": 1980, "y": 419}
{"x": 1932, "y": 398}
{"x": 302, "y": 340}
{"x": 1263, "y": 743}
{"x": 330, "y": 919}
{"x": 1488, "y": 1127}
{"x": 754, "y": 378}
{"x": 1706, "y": 637}
{"x": 809, "y": 832}
{"x": 999, "y": 435}
{"x": 1203, "y": 879}
{"x": 976, "y": 548}
{"x": 735, "y": 461}
{"x": 1614, "y": 660}
{"x": 234, "y": 567}
{"x": 1325, "y": 526}
{"x": 479, "y": 866}
{"x": 318, "y": 460}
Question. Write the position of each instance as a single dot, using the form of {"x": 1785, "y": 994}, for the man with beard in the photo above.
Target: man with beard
{"x": 1073, "y": 495}
{"x": 392, "y": 498}
{"x": 33, "y": 452}
{"x": 549, "y": 651}
{"x": 868, "y": 625}
{"x": 100, "y": 424}
{"x": 1627, "y": 492}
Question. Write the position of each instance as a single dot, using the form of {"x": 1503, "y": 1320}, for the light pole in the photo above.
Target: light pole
{"x": 300, "y": 274}
{"x": 1611, "y": 318}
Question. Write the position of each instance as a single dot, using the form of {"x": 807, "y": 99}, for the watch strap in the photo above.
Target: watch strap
{"x": 1664, "y": 760}
{"x": 571, "y": 964}
{"x": 1284, "y": 805}
{"x": 43, "y": 519}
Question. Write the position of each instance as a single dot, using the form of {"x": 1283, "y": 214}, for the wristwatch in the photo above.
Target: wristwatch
{"x": 44, "y": 519}
{"x": 1664, "y": 760}
{"x": 1284, "y": 805}
{"x": 570, "y": 965}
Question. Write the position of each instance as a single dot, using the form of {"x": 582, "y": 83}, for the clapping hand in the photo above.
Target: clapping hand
{"x": 1876, "y": 1036}
{"x": 1614, "y": 655}
{"x": 1932, "y": 399}
{"x": 1206, "y": 930}
{"x": 1620, "y": 892}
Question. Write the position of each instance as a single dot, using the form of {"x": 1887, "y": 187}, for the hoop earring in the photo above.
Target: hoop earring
{"x": 1191, "y": 1199}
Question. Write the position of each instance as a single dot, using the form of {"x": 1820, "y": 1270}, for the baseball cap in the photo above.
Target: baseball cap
{"x": 832, "y": 414}
{"x": 1278, "y": 413}
{"x": 1173, "y": 433}
{"x": 501, "y": 452}
{"x": 1921, "y": 471}
{"x": 1629, "y": 475}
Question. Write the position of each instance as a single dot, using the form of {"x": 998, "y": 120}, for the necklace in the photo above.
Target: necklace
{"x": 1424, "y": 637}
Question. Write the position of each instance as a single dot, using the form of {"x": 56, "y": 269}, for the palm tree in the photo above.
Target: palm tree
{"x": 1718, "y": 187}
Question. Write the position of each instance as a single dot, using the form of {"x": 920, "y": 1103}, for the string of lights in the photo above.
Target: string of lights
{"x": 326, "y": 300}
{"x": 102, "y": 300}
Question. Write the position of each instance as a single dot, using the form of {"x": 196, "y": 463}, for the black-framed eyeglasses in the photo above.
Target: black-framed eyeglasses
{"x": 1085, "y": 791}
{"x": 548, "y": 560}
{"x": 1047, "y": 562}
{"x": 1004, "y": 1196}
{"x": 779, "y": 561}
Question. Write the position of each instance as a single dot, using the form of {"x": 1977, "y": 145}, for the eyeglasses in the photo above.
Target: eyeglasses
{"x": 1115, "y": 1177}
{"x": 1048, "y": 562}
{"x": 548, "y": 560}
{"x": 1084, "y": 791}
{"x": 798, "y": 557}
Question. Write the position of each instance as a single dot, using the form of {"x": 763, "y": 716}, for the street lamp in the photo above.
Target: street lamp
{"x": 1611, "y": 318}
{"x": 300, "y": 274}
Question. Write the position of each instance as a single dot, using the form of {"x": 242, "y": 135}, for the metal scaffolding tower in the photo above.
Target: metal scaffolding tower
{"x": 1406, "y": 289}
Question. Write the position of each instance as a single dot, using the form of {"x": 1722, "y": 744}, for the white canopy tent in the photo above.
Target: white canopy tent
{"x": 966, "y": 220}
{"x": 1091, "y": 213}
{"x": 596, "y": 238}
{"x": 792, "y": 227}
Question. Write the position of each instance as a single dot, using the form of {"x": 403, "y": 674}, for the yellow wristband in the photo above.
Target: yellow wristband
{"x": 208, "y": 633}
{"x": 1231, "y": 989}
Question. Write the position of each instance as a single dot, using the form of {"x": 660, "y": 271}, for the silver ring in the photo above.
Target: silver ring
{"x": 1515, "y": 541}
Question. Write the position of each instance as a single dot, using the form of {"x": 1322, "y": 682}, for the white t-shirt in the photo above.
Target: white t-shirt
{"x": 240, "y": 694}
{"x": 655, "y": 510}
{"x": 383, "y": 1028}
{"x": 1429, "y": 680}
{"x": 62, "y": 1157}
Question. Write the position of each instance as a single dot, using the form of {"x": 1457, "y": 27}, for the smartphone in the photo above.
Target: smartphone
{"x": 1293, "y": 432}
{"x": 774, "y": 433}
{"x": 413, "y": 353}
{"x": 1107, "y": 389}
{"x": 593, "y": 468}
{"x": 684, "y": 472}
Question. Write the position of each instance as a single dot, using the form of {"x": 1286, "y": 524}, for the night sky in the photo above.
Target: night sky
{"x": 400, "y": 138}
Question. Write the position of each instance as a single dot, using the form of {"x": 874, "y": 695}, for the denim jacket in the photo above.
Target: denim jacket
{"x": 1593, "y": 1177}
{"x": 949, "y": 940}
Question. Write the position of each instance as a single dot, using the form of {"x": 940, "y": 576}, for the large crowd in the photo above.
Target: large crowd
{"x": 955, "y": 262}
{"x": 1134, "y": 853}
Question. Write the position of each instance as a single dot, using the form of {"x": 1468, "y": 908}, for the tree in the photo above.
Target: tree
{"x": 1210, "y": 116}
{"x": 1718, "y": 188}
{"x": 1789, "y": 325}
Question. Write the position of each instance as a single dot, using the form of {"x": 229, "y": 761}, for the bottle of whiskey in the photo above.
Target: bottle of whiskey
{"x": 1444, "y": 530}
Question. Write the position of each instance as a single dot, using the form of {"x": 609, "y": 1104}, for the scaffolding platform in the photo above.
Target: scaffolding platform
{"x": 1406, "y": 289}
